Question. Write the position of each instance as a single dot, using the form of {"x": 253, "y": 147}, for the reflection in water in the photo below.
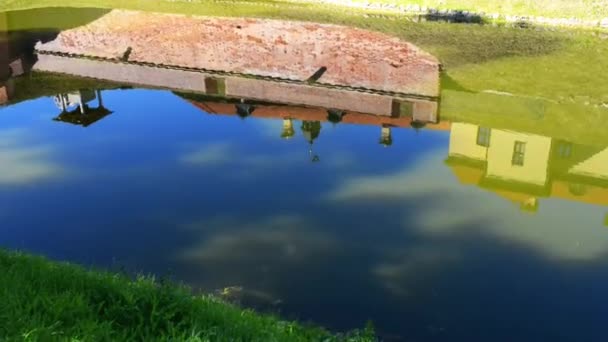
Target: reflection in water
{"x": 25, "y": 161}
{"x": 382, "y": 242}
{"x": 390, "y": 234}
{"x": 210, "y": 154}
{"x": 82, "y": 114}
{"x": 288, "y": 131}
{"x": 274, "y": 245}
{"x": 248, "y": 298}
{"x": 311, "y": 131}
{"x": 386, "y": 138}
{"x": 401, "y": 275}
{"x": 20, "y": 31}
{"x": 455, "y": 207}
{"x": 248, "y": 90}
{"x": 524, "y": 167}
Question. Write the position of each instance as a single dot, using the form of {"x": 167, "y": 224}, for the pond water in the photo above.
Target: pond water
{"x": 489, "y": 225}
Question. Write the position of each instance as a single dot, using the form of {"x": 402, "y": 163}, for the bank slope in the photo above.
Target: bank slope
{"x": 42, "y": 300}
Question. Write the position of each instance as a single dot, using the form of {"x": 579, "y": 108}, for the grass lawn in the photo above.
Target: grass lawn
{"x": 582, "y": 9}
{"x": 42, "y": 300}
{"x": 558, "y": 75}
{"x": 568, "y": 122}
{"x": 561, "y": 66}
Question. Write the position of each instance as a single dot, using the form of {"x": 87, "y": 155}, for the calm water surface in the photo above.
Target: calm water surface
{"x": 454, "y": 232}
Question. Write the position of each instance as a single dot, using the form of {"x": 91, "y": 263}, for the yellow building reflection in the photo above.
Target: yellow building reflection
{"x": 525, "y": 167}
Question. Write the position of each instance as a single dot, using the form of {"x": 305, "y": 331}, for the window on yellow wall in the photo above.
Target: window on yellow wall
{"x": 483, "y": 136}
{"x": 564, "y": 150}
{"x": 519, "y": 152}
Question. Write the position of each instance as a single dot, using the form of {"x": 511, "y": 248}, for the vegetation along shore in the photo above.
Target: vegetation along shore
{"x": 42, "y": 300}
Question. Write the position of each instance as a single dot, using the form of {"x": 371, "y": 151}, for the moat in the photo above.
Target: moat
{"x": 436, "y": 211}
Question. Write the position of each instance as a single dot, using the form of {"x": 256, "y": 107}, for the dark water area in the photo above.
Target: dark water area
{"x": 474, "y": 228}
{"x": 367, "y": 232}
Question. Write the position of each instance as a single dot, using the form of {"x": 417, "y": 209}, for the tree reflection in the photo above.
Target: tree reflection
{"x": 386, "y": 137}
{"x": 311, "y": 131}
{"x": 288, "y": 130}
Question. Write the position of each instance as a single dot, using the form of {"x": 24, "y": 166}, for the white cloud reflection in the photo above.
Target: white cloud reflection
{"x": 24, "y": 162}
{"x": 262, "y": 255}
{"x": 406, "y": 275}
{"x": 226, "y": 153}
{"x": 559, "y": 230}
{"x": 219, "y": 154}
{"x": 209, "y": 155}
{"x": 279, "y": 239}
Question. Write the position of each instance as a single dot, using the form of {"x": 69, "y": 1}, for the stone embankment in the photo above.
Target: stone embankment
{"x": 327, "y": 54}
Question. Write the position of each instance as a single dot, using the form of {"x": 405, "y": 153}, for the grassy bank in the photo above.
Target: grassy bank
{"x": 581, "y": 9}
{"x": 39, "y": 84}
{"x": 568, "y": 122}
{"x": 42, "y": 300}
{"x": 543, "y": 64}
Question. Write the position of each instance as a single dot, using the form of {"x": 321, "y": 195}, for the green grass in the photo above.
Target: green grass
{"x": 559, "y": 71}
{"x": 583, "y": 9}
{"x": 42, "y": 300}
{"x": 51, "y": 17}
{"x": 42, "y": 84}
{"x": 570, "y": 122}
{"x": 559, "y": 66}
{"x": 558, "y": 93}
